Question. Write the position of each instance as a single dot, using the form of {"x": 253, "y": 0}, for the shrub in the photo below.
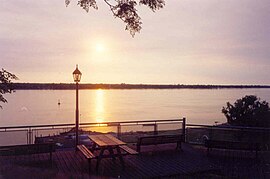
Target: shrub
{"x": 248, "y": 111}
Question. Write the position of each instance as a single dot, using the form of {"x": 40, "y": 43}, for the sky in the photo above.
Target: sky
{"x": 186, "y": 42}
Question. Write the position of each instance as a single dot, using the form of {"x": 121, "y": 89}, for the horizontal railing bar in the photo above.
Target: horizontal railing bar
{"x": 227, "y": 127}
{"x": 87, "y": 124}
{"x": 53, "y": 128}
{"x": 15, "y": 130}
{"x": 135, "y": 124}
{"x": 126, "y": 123}
{"x": 63, "y": 126}
{"x": 37, "y": 126}
{"x": 144, "y": 121}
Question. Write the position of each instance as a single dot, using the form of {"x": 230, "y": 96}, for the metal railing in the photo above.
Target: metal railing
{"x": 25, "y": 134}
{"x": 193, "y": 133}
{"x": 197, "y": 134}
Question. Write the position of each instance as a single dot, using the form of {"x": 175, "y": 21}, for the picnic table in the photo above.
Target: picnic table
{"x": 111, "y": 144}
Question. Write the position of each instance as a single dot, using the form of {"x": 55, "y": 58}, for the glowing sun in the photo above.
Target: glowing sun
{"x": 100, "y": 47}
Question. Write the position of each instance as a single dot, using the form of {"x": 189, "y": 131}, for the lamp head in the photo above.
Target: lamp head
{"x": 77, "y": 75}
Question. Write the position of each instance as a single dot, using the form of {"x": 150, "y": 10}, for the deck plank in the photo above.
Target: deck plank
{"x": 156, "y": 164}
{"x": 70, "y": 163}
{"x": 59, "y": 163}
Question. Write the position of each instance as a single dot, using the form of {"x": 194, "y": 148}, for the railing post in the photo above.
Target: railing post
{"x": 118, "y": 130}
{"x": 211, "y": 133}
{"x": 184, "y": 129}
{"x": 29, "y": 136}
{"x": 155, "y": 129}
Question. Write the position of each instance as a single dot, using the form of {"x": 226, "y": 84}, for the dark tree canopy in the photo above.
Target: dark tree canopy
{"x": 5, "y": 84}
{"x": 248, "y": 111}
{"x": 126, "y": 10}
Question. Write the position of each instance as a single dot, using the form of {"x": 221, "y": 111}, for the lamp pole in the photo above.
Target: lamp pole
{"x": 77, "y": 77}
{"x": 77, "y": 114}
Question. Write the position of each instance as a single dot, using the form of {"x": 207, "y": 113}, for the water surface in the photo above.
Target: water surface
{"x": 199, "y": 106}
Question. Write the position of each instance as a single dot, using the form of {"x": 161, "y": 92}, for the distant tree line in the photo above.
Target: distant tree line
{"x": 68, "y": 86}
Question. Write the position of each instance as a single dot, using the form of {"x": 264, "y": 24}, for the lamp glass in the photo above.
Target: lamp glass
{"x": 77, "y": 77}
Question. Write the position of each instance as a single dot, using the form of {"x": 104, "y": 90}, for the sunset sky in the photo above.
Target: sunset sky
{"x": 187, "y": 42}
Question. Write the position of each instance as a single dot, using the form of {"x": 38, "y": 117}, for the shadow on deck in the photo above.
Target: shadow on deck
{"x": 155, "y": 162}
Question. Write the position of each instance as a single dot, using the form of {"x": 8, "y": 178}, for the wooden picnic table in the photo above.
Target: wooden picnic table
{"x": 110, "y": 143}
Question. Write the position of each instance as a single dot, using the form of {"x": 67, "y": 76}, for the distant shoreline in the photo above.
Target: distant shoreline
{"x": 68, "y": 86}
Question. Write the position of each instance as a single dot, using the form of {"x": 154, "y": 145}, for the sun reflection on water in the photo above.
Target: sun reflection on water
{"x": 99, "y": 111}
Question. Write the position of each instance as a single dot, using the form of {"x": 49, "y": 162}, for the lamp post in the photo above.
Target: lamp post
{"x": 77, "y": 78}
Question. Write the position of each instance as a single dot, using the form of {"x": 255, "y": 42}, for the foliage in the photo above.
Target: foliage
{"x": 5, "y": 84}
{"x": 126, "y": 10}
{"x": 248, "y": 111}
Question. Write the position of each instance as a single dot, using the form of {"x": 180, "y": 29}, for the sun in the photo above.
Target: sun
{"x": 100, "y": 48}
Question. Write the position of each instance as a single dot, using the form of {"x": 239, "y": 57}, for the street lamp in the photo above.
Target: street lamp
{"x": 77, "y": 78}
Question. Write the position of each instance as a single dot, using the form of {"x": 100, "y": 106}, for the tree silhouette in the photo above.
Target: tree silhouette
{"x": 248, "y": 111}
{"x": 126, "y": 10}
{"x": 5, "y": 84}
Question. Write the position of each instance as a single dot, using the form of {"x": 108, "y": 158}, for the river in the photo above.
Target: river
{"x": 199, "y": 106}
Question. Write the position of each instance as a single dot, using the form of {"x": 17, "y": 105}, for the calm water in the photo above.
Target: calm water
{"x": 31, "y": 107}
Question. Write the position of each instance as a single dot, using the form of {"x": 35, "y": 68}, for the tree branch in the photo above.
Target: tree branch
{"x": 5, "y": 84}
{"x": 126, "y": 10}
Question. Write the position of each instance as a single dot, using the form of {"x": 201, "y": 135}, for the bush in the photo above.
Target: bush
{"x": 248, "y": 111}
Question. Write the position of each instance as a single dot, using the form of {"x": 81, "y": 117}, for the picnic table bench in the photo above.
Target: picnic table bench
{"x": 102, "y": 142}
{"x": 28, "y": 149}
{"x": 127, "y": 150}
{"x": 87, "y": 154}
{"x": 159, "y": 139}
{"x": 232, "y": 145}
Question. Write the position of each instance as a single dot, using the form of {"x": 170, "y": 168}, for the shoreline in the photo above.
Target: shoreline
{"x": 71, "y": 86}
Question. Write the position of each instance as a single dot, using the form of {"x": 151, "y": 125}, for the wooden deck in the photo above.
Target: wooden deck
{"x": 164, "y": 161}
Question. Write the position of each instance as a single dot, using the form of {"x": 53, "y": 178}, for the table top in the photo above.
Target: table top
{"x": 105, "y": 140}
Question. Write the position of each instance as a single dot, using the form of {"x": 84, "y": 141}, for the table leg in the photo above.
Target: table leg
{"x": 99, "y": 158}
{"x": 93, "y": 147}
{"x": 120, "y": 157}
{"x": 111, "y": 153}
